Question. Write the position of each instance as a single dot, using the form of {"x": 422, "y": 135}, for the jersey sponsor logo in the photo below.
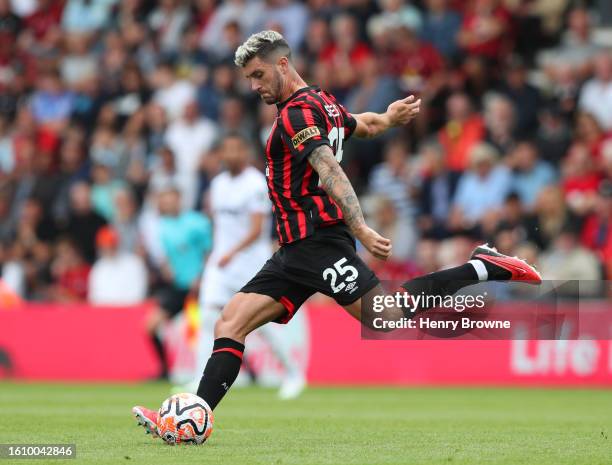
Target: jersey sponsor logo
{"x": 304, "y": 135}
{"x": 332, "y": 110}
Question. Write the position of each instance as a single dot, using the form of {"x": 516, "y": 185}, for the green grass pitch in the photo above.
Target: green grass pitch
{"x": 325, "y": 426}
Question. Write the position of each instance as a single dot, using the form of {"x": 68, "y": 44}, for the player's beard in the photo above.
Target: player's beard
{"x": 275, "y": 90}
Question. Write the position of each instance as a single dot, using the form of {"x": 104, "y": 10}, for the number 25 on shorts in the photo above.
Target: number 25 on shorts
{"x": 340, "y": 271}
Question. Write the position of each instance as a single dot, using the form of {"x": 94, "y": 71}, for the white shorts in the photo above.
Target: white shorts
{"x": 218, "y": 287}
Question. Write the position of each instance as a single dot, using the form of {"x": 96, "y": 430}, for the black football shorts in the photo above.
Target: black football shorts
{"x": 325, "y": 262}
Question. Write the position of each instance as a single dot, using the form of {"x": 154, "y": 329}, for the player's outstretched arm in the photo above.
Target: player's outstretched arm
{"x": 398, "y": 113}
{"x": 336, "y": 184}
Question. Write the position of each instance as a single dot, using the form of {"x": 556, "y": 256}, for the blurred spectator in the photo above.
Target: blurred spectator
{"x": 525, "y": 97}
{"x": 103, "y": 190}
{"x": 44, "y": 19}
{"x": 78, "y": 64}
{"x": 12, "y": 273}
{"x": 382, "y": 214}
{"x": 551, "y": 215}
{"x": 375, "y": 91}
{"x": 6, "y": 225}
{"x": 23, "y": 8}
{"x": 500, "y": 122}
{"x": 596, "y": 95}
{"x": 597, "y": 231}
{"x": 579, "y": 179}
{"x": 70, "y": 272}
{"x": 289, "y": 17}
{"x": 565, "y": 90}
{"x": 553, "y": 136}
{"x": 171, "y": 93}
{"x": 344, "y": 54}
{"x": 416, "y": 64}
{"x": 398, "y": 13}
{"x": 108, "y": 149}
{"x": 112, "y": 270}
{"x": 394, "y": 179}
{"x": 190, "y": 59}
{"x": 485, "y": 29}
{"x": 605, "y": 161}
{"x": 190, "y": 138}
{"x": 73, "y": 168}
{"x": 234, "y": 118}
{"x": 475, "y": 78}
{"x": 167, "y": 22}
{"x": 549, "y": 13}
{"x": 440, "y": 27}
{"x": 567, "y": 259}
{"x": 436, "y": 193}
{"x": 427, "y": 256}
{"x": 316, "y": 40}
{"x": 390, "y": 224}
{"x": 7, "y": 153}
{"x": 222, "y": 84}
{"x": 164, "y": 172}
{"x": 590, "y": 133}
{"x": 131, "y": 95}
{"x": 52, "y": 103}
{"x": 83, "y": 223}
{"x": 86, "y": 15}
{"x": 10, "y": 27}
{"x": 463, "y": 130}
{"x": 156, "y": 123}
{"x": 246, "y": 13}
{"x": 530, "y": 174}
{"x": 577, "y": 47}
{"x": 512, "y": 216}
{"x": 125, "y": 220}
{"x": 481, "y": 190}
{"x": 35, "y": 228}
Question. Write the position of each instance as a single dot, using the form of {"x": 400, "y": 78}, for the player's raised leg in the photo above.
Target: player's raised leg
{"x": 485, "y": 264}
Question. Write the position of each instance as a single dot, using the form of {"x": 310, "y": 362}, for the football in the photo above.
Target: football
{"x": 185, "y": 419}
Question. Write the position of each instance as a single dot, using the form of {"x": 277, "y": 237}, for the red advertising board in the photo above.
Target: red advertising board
{"x": 52, "y": 342}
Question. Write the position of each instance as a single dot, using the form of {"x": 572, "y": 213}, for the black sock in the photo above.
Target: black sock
{"x": 161, "y": 354}
{"x": 441, "y": 283}
{"x": 221, "y": 370}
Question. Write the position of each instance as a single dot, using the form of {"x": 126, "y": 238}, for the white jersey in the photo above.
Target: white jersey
{"x": 233, "y": 199}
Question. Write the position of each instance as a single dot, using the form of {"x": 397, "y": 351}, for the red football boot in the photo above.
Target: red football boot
{"x": 147, "y": 419}
{"x": 503, "y": 267}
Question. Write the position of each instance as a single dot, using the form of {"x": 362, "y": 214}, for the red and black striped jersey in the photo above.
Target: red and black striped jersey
{"x": 306, "y": 120}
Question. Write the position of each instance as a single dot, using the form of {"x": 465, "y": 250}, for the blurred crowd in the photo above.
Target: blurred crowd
{"x": 113, "y": 113}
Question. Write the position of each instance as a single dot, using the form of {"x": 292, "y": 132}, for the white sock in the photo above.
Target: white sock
{"x": 481, "y": 269}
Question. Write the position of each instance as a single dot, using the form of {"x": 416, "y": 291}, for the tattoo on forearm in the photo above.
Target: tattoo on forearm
{"x": 336, "y": 184}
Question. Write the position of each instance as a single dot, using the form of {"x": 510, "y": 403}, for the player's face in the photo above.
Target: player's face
{"x": 265, "y": 79}
{"x": 169, "y": 203}
{"x": 234, "y": 153}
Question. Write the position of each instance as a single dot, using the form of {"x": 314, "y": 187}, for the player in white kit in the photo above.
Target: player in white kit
{"x": 240, "y": 211}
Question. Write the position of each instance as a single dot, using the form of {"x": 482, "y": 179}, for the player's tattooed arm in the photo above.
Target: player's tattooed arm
{"x": 336, "y": 184}
{"x": 398, "y": 113}
{"x": 339, "y": 188}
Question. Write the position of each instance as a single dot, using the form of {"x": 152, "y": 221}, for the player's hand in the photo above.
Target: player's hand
{"x": 403, "y": 111}
{"x": 223, "y": 261}
{"x": 377, "y": 245}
